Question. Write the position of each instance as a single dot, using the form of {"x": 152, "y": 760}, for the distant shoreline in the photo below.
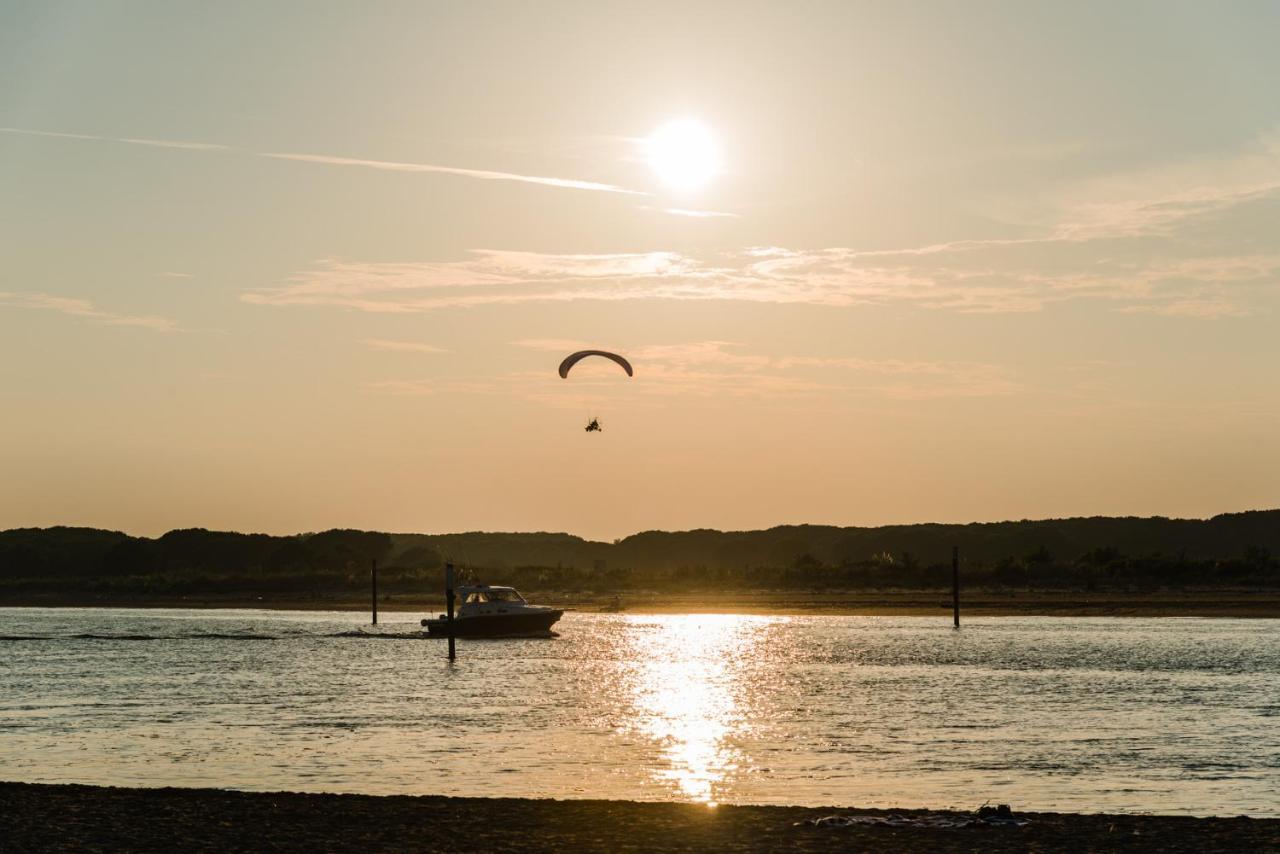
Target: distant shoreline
{"x": 1239, "y": 604}
{"x": 72, "y": 817}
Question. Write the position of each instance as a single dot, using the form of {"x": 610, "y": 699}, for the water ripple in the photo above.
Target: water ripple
{"x": 1090, "y": 715}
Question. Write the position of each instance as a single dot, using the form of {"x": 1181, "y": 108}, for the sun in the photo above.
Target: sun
{"x": 684, "y": 153}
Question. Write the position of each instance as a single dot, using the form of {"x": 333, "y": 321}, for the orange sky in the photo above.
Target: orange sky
{"x": 301, "y": 267}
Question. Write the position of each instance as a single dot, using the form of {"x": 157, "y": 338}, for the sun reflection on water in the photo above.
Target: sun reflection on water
{"x": 689, "y": 696}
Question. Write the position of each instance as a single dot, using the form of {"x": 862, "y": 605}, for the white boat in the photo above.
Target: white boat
{"x": 489, "y": 612}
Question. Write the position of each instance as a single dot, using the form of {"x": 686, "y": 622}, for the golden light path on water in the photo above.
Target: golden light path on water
{"x": 686, "y": 684}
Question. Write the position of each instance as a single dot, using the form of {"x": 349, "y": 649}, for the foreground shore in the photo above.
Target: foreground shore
{"x": 46, "y": 818}
{"x": 901, "y": 603}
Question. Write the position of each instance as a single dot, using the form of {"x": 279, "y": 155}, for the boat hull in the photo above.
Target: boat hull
{"x": 496, "y": 625}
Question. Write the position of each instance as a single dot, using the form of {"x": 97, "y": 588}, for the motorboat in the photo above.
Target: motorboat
{"x": 489, "y": 611}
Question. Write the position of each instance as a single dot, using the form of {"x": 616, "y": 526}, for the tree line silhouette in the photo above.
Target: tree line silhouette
{"x": 1099, "y": 553}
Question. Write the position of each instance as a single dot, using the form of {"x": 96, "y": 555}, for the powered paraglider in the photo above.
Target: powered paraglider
{"x": 574, "y": 358}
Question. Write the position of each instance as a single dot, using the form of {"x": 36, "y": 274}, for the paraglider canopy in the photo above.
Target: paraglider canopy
{"x": 574, "y": 358}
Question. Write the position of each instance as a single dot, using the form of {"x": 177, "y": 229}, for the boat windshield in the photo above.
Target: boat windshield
{"x": 493, "y": 596}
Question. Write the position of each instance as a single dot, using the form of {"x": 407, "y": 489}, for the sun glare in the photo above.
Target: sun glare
{"x": 684, "y": 153}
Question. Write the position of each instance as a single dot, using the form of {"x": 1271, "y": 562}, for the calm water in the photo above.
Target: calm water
{"x": 1090, "y": 715}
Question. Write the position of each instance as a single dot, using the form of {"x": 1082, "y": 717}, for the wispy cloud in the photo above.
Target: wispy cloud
{"x": 1202, "y": 307}
{"x": 154, "y": 143}
{"x": 170, "y": 143}
{"x": 708, "y": 365}
{"x": 696, "y": 214}
{"x": 84, "y": 308}
{"x": 700, "y": 214}
{"x": 725, "y": 354}
{"x": 830, "y": 277}
{"x": 1179, "y": 242}
{"x": 1160, "y": 241}
{"x": 553, "y": 345}
{"x": 333, "y": 160}
{"x": 482, "y": 174}
{"x": 401, "y": 346}
{"x": 483, "y": 277}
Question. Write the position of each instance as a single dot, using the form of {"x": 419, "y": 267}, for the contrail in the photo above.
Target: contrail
{"x": 154, "y": 143}
{"x": 483, "y": 174}
{"x": 386, "y": 165}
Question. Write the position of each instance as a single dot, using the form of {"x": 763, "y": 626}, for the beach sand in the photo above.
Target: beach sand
{"x": 85, "y": 818}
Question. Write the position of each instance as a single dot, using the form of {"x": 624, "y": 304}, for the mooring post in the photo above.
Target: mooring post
{"x": 955, "y": 584}
{"x": 448, "y": 598}
{"x": 374, "y": 576}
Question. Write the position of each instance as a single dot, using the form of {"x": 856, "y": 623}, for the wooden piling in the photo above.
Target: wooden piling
{"x": 955, "y": 585}
{"x": 448, "y": 598}
{"x": 374, "y": 576}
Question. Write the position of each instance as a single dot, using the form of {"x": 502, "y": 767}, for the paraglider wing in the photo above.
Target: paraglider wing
{"x": 575, "y": 358}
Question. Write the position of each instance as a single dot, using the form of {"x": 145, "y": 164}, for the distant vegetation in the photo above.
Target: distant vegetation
{"x": 1230, "y": 551}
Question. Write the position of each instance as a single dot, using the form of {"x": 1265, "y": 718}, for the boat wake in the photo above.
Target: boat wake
{"x": 109, "y": 637}
{"x": 356, "y": 633}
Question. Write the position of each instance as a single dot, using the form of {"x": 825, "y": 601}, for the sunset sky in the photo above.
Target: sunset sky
{"x": 285, "y": 267}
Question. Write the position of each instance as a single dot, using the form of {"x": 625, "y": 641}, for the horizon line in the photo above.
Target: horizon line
{"x": 616, "y": 540}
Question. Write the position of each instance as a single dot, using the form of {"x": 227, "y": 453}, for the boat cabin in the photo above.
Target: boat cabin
{"x": 485, "y": 593}
{"x": 488, "y": 611}
{"x": 480, "y": 600}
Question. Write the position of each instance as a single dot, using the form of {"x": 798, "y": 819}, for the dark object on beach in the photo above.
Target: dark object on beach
{"x": 985, "y": 816}
{"x": 1000, "y": 812}
{"x": 593, "y": 426}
